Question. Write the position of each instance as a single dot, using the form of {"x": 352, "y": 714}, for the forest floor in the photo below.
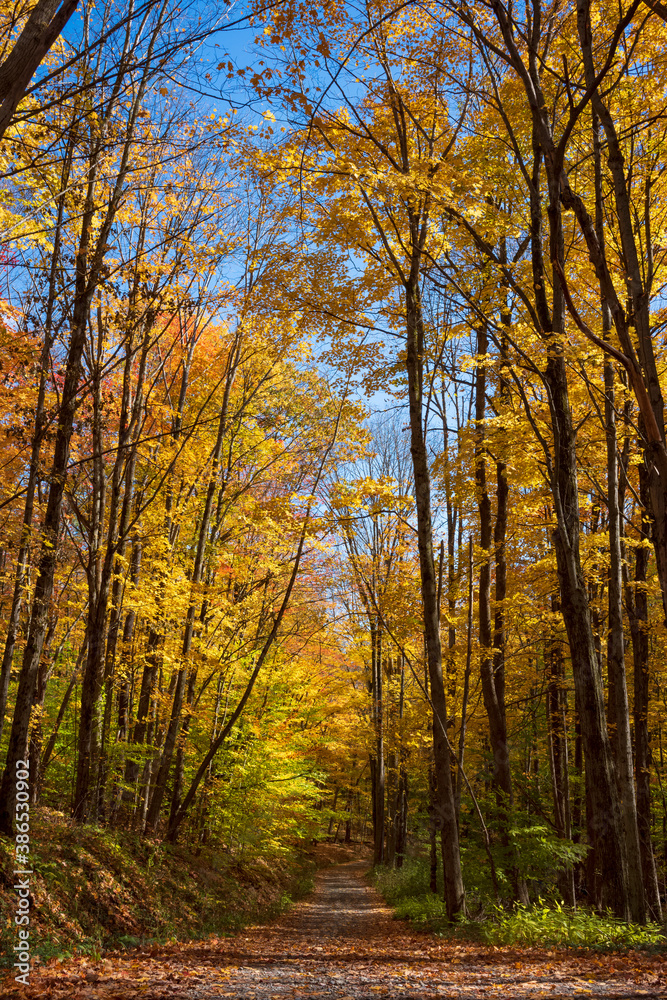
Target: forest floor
{"x": 96, "y": 889}
{"x": 341, "y": 943}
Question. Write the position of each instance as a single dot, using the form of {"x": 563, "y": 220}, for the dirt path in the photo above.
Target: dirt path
{"x": 342, "y": 944}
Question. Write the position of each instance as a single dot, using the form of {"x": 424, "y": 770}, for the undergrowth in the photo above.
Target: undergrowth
{"x": 560, "y": 925}
{"x": 542, "y": 924}
{"x": 96, "y": 889}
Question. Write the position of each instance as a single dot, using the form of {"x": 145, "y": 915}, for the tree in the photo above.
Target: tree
{"x": 44, "y": 24}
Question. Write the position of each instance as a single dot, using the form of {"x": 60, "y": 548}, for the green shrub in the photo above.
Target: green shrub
{"x": 407, "y": 890}
{"x": 559, "y": 925}
{"x": 543, "y": 924}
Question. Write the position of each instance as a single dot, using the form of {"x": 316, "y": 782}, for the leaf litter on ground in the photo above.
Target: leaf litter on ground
{"x": 342, "y": 942}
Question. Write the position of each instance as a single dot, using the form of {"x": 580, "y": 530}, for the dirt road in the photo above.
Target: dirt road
{"x": 341, "y": 943}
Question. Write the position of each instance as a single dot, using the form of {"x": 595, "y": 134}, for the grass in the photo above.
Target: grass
{"x": 96, "y": 889}
{"x": 407, "y": 891}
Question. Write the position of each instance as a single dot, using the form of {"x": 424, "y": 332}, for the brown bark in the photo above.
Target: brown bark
{"x": 603, "y": 808}
{"x": 557, "y": 745}
{"x": 466, "y": 685}
{"x": 148, "y": 680}
{"x": 378, "y": 725}
{"x": 128, "y": 636}
{"x": 622, "y": 743}
{"x": 604, "y": 817}
{"x": 555, "y": 735}
{"x": 492, "y": 667}
{"x": 431, "y": 808}
{"x": 100, "y": 569}
{"x": 35, "y": 448}
{"x": 85, "y": 284}
{"x": 401, "y": 809}
{"x": 616, "y": 667}
{"x": 548, "y": 314}
{"x": 637, "y": 605}
{"x": 642, "y": 370}
{"x": 449, "y": 840}
{"x": 453, "y": 518}
{"x": 36, "y": 729}
{"x": 45, "y": 23}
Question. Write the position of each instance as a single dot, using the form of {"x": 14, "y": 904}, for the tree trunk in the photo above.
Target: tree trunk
{"x": 48, "y": 750}
{"x": 124, "y": 692}
{"x": 70, "y": 399}
{"x": 492, "y": 666}
{"x": 196, "y": 575}
{"x": 605, "y": 824}
{"x": 35, "y": 448}
{"x": 637, "y": 605}
{"x": 603, "y": 808}
{"x": 148, "y": 679}
{"x": 378, "y": 722}
{"x": 557, "y": 742}
{"x": 36, "y": 729}
{"x": 432, "y": 829}
{"x": 400, "y": 821}
{"x": 466, "y": 685}
{"x": 46, "y": 21}
{"x": 449, "y": 843}
{"x": 618, "y": 693}
{"x": 616, "y": 665}
{"x": 643, "y": 371}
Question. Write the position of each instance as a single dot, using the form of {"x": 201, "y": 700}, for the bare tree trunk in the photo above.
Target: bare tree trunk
{"x": 148, "y": 679}
{"x": 453, "y": 517}
{"x": 432, "y": 829}
{"x": 36, "y": 729}
{"x": 431, "y": 808}
{"x": 179, "y": 770}
{"x": 642, "y": 369}
{"x": 603, "y": 811}
{"x": 124, "y": 692}
{"x": 603, "y": 808}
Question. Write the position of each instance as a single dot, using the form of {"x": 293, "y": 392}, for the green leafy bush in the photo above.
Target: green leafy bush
{"x": 543, "y": 924}
{"x": 543, "y": 854}
{"x": 407, "y": 890}
{"x": 559, "y": 925}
